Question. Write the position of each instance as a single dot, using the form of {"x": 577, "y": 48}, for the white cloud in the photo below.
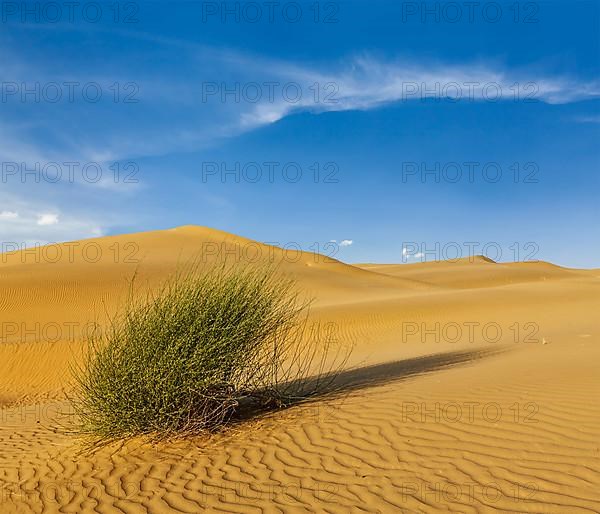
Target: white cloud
{"x": 47, "y": 219}
{"x": 406, "y": 254}
{"x": 366, "y": 83}
{"x": 343, "y": 242}
{"x": 25, "y": 230}
{"x": 588, "y": 119}
{"x": 361, "y": 82}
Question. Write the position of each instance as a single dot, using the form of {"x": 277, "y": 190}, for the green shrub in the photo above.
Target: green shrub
{"x": 196, "y": 354}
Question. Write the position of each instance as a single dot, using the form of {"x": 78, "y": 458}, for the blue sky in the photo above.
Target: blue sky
{"x": 433, "y": 127}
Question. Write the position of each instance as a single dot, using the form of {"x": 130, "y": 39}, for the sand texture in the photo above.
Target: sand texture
{"x": 473, "y": 386}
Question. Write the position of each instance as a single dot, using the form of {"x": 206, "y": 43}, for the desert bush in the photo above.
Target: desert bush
{"x": 205, "y": 349}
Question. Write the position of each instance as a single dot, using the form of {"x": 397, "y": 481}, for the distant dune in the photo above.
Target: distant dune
{"x": 474, "y": 387}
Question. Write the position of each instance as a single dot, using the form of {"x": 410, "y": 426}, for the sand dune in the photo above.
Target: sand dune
{"x": 473, "y": 388}
{"x": 477, "y": 271}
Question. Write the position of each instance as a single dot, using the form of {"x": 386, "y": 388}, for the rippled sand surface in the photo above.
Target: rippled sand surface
{"x": 473, "y": 386}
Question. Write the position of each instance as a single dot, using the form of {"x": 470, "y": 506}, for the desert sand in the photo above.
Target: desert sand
{"x": 473, "y": 386}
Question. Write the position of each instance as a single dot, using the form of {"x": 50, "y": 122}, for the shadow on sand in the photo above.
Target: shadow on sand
{"x": 331, "y": 386}
{"x": 342, "y": 383}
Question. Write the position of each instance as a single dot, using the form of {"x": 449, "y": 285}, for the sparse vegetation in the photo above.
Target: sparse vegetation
{"x": 207, "y": 348}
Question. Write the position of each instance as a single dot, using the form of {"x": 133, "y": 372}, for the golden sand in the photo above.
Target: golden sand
{"x": 474, "y": 388}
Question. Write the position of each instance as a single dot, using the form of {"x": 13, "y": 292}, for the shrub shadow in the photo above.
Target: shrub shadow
{"x": 333, "y": 386}
{"x": 343, "y": 383}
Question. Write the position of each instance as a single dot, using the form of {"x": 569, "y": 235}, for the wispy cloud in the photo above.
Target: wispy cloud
{"x": 588, "y": 119}
{"x": 366, "y": 83}
{"x": 179, "y": 113}
{"x": 174, "y": 116}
